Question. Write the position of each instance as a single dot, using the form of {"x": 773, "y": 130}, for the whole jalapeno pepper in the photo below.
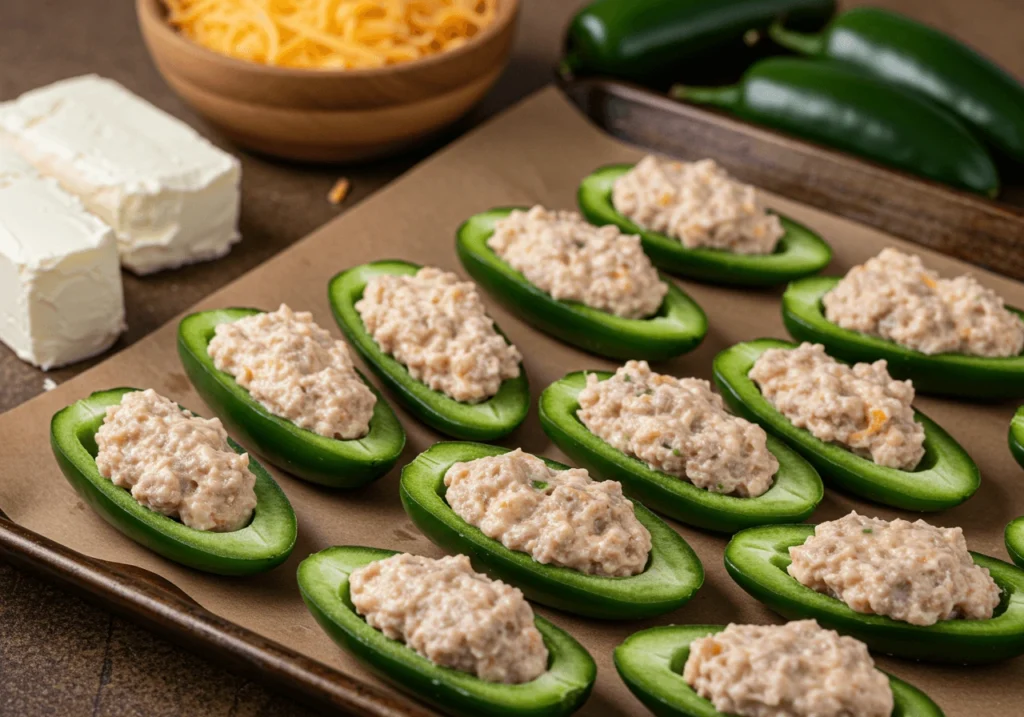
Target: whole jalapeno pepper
{"x": 840, "y": 106}
{"x": 907, "y": 54}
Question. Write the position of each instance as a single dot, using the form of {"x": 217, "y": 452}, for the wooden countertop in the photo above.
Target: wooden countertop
{"x": 60, "y": 655}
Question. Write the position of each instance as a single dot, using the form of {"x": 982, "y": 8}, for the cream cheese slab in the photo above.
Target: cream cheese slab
{"x": 60, "y": 280}
{"x": 170, "y": 196}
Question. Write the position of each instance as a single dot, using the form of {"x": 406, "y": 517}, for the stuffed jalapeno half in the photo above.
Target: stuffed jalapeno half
{"x": 481, "y": 416}
{"x": 673, "y": 325}
{"x": 795, "y": 488}
{"x": 651, "y": 663}
{"x": 312, "y": 456}
{"x": 262, "y": 543}
{"x": 944, "y": 374}
{"x": 670, "y": 573}
{"x": 758, "y": 559}
{"x": 799, "y": 251}
{"x": 944, "y": 476}
{"x": 325, "y": 584}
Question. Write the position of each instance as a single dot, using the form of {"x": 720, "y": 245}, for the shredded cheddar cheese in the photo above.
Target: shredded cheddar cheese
{"x": 330, "y": 34}
{"x": 878, "y": 419}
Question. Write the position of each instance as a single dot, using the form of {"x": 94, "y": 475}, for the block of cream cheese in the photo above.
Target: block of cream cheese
{"x": 60, "y": 280}
{"x": 170, "y": 196}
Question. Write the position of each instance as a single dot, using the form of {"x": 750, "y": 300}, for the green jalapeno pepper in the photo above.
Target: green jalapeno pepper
{"x": 671, "y": 577}
{"x": 677, "y": 327}
{"x": 303, "y": 453}
{"x": 795, "y": 493}
{"x": 1014, "y": 537}
{"x": 484, "y": 421}
{"x": 323, "y": 582}
{"x": 905, "y": 53}
{"x": 946, "y": 475}
{"x": 651, "y": 662}
{"x": 845, "y": 108}
{"x": 757, "y": 559}
{"x": 940, "y": 374}
{"x": 643, "y": 40}
{"x": 263, "y": 544}
{"x": 799, "y": 252}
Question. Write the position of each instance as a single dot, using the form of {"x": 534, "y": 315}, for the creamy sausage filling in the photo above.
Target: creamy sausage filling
{"x": 559, "y": 517}
{"x": 699, "y": 204}
{"x": 912, "y": 572}
{"x": 297, "y": 371}
{"x": 679, "y": 427}
{"x": 572, "y": 260}
{"x": 794, "y": 670}
{"x": 894, "y": 297}
{"x": 453, "y": 616}
{"x": 435, "y": 325}
{"x": 175, "y": 463}
{"x": 859, "y": 407}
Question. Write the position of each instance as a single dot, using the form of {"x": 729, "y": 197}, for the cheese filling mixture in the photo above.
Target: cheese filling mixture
{"x": 175, "y": 463}
{"x": 794, "y": 670}
{"x": 558, "y": 517}
{"x": 453, "y": 616}
{"x": 860, "y": 407}
{"x": 678, "y": 426}
{"x": 699, "y": 204}
{"x": 435, "y": 325}
{"x": 572, "y": 260}
{"x": 894, "y": 297}
{"x": 297, "y": 371}
{"x": 912, "y": 572}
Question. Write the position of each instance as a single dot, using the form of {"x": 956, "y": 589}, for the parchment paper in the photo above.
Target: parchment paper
{"x": 535, "y": 153}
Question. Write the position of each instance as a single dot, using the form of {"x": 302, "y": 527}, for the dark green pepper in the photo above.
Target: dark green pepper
{"x": 643, "y": 40}
{"x": 1016, "y": 436}
{"x": 940, "y": 374}
{"x": 263, "y": 544}
{"x": 673, "y": 573}
{"x": 842, "y": 107}
{"x": 795, "y": 492}
{"x": 303, "y": 453}
{"x": 488, "y": 420}
{"x": 651, "y": 662}
{"x": 946, "y": 475}
{"x": 1014, "y": 537}
{"x": 799, "y": 252}
{"x": 323, "y": 582}
{"x": 677, "y": 327}
{"x": 757, "y": 560}
{"x": 905, "y": 53}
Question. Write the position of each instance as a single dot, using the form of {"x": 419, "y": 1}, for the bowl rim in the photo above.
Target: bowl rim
{"x": 152, "y": 11}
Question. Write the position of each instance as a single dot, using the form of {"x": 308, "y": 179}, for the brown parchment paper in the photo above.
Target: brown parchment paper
{"x": 534, "y": 153}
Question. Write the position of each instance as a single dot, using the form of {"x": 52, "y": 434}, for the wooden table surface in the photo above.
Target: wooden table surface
{"x": 62, "y": 656}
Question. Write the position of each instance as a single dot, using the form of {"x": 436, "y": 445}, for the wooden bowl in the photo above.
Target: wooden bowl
{"x": 328, "y": 115}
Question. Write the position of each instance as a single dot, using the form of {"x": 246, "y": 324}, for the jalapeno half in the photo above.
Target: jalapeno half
{"x": 678, "y": 326}
{"x": 303, "y": 453}
{"x": 795, "y": 493}
{"x": 484, "y": 421}
{"x": 799, "y": 252}
{"x": 757, "y": 559}
{"x": 946, "y": 475}
{"x": 260, "y": 546}
{"x": 323, "y": 582}
{"x": 651, "y": 662}
{"x": 673, "y": 573}
{"x": 1016, "y": 437}
{"x": 939, "y": 374}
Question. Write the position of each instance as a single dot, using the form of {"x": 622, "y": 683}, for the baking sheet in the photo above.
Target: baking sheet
{"x": 534, "y": 153}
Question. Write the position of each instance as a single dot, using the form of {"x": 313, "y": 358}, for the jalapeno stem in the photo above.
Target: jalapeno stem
{"x": 727, "y": 96}
{"x": 803, "y": 43}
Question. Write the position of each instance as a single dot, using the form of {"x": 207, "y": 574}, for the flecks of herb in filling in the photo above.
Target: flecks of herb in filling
{"x": 540, "y": 485}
